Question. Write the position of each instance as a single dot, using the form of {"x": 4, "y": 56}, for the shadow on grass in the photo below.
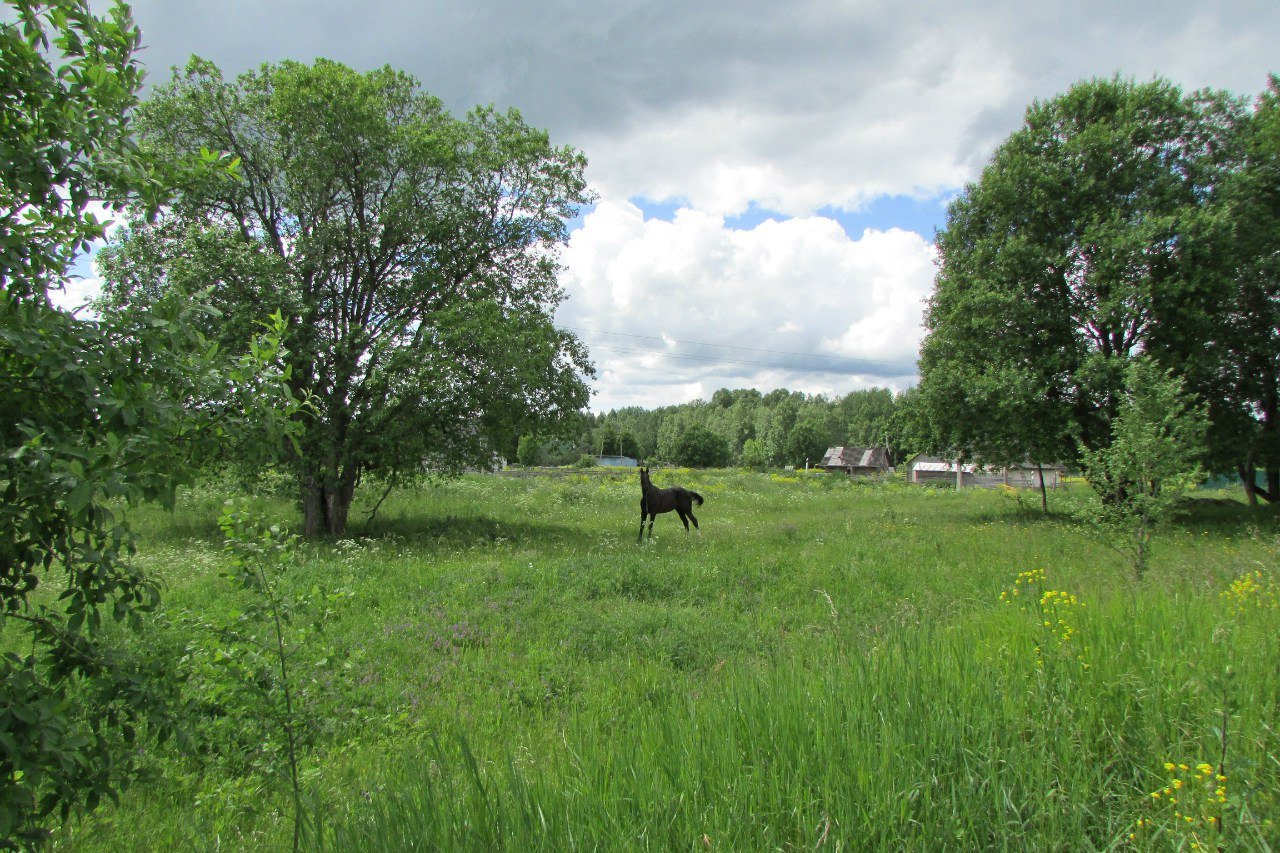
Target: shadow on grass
{"x": 466, "y": 530}
{"x": 421, "y": 530}
{"x": 1226, "y": 515}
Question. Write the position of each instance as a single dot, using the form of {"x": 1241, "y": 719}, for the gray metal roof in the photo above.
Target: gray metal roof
{"x": 856, "y": 457}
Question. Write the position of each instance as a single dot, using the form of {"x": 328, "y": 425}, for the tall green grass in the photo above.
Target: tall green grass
{"x": 828, "y": 664}
{"x": 935, "y": 737}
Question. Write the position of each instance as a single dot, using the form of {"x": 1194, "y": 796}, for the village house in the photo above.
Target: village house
{"x": 857, "y": 461}
{"x": 1024, "y": 475}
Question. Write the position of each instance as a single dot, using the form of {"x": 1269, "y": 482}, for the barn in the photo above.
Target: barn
{"x": 857, "y": 461}
{"x": 1024, "y": 475}
{"x": 931, "y": 469}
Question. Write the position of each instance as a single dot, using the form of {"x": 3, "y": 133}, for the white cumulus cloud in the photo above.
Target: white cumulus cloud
{"x": 674, "y": 310}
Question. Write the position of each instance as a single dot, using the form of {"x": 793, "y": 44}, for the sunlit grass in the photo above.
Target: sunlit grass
{"x": 827, "y": 664}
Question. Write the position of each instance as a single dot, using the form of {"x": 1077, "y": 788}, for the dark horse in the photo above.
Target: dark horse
{"x": 654, "y": 500}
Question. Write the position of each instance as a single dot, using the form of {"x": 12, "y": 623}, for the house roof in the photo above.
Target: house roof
{"x": 931, "y": 465}
{"x": 855, "y": 457}
{"x": 934, "y": 463}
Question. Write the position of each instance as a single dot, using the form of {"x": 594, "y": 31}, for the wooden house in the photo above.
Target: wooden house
{"x": 857, "y": 461}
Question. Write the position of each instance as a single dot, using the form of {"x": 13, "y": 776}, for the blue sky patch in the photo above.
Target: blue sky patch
{"x": 923, "y": 216}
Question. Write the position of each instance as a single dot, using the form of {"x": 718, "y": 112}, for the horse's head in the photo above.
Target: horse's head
{"x": 644, "y": 476}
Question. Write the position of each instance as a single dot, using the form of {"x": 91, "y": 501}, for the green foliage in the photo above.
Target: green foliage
{"x": 95, "y": 419}
{"x": 807, "y": 442}
{"x": 256, "y": 650}
{"x": 699, "y": 447}
{"x": 586, "y": 460}
{"x": 869, "y": 420}
{"x": 754, "y": 455}
{"x": 1050, "y": 282}
{"x": 529, "y": 451}
{"x": 1245, "y": 223}
{"x": 63, "y": 133}
{"x": 860, "y": 418}
{"x": 611, "y": 441}
{"x": 413, "y": 252}
{"x": 1150, "y": 464}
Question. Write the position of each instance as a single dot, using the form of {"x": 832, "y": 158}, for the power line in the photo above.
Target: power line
{"x": 729, "y": 346}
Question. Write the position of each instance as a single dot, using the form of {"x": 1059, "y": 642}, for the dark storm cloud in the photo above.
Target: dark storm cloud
{"x": 587, "y": 70}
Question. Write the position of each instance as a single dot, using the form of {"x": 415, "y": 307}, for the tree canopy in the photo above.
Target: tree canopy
{"x": 1246, "y": 343}
{"x": 699, "y": 447}
{"x": 1095, "y": 234}
{"x": 413, "y": 253}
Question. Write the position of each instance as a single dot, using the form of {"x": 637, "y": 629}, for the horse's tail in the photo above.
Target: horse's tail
{"x": 697, "y": 497}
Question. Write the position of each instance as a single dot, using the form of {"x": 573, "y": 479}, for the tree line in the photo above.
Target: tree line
{"x": 735, "y": 427}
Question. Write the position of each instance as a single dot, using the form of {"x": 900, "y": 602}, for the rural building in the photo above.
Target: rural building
{"x": 857, "y": 461}
{"x": 616, "y": 461}
{"x": 1025, "y": 475}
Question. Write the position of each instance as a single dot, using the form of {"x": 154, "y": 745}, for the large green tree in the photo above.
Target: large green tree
{"x": 868, "y": 418}
{"x": 807, "y": 443}
{"x": 414, "y": 253}
{"x": 1246, "y": 223}
{"x": 1080, "y": 247}
{"x": 96, "y": 415}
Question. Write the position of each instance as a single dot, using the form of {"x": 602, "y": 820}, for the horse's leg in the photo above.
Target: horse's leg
{"x": 652, "y": 516}
{"x": 694, "y": 519}
{"x": 683, "y": 519}
{"x": 640, "y": 535}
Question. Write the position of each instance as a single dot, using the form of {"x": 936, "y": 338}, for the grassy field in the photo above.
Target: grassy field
{"x": 828, "y": 664}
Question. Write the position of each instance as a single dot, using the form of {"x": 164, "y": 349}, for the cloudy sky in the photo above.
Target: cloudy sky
{"x": 769, "y": 175}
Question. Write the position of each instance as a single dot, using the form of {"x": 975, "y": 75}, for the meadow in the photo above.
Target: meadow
{"x": 828, "y": 664}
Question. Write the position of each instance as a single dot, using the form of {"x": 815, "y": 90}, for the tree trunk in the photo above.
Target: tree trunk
{"x": 325, "y": 508}
{"x": 338, "y": 503}
{"x": 314, "y": 507}
{"x": 1248, "y": 479}
{"x": 1248, "y": 472}
{"x": 1044, "y": 494}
